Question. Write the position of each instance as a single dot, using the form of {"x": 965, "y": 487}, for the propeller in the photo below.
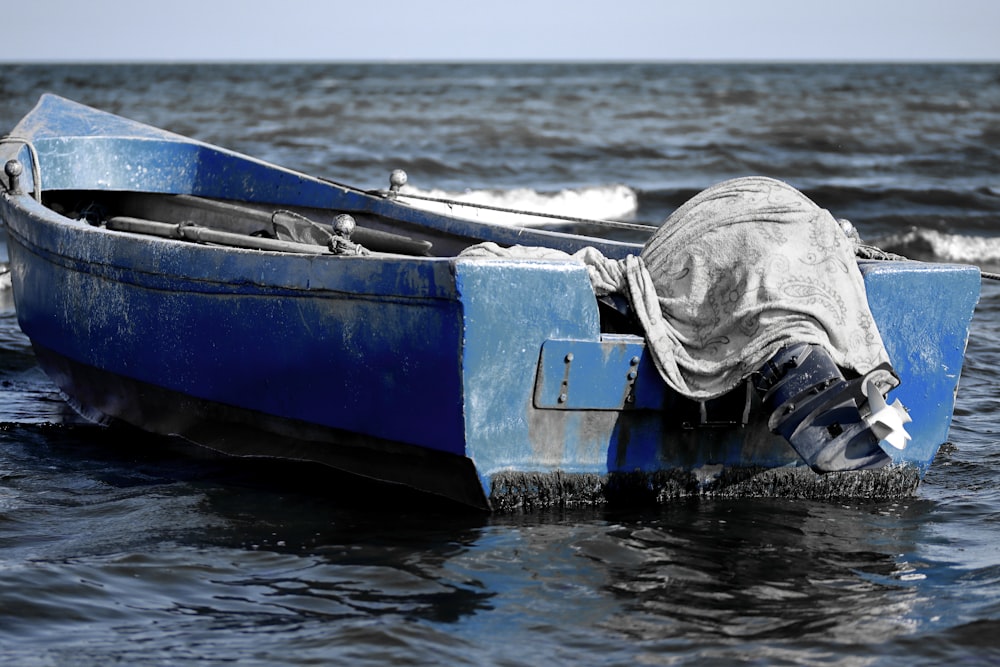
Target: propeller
{"x": 886, "y": 420}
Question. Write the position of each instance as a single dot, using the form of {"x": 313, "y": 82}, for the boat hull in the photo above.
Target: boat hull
{"x": 448, "y": 375}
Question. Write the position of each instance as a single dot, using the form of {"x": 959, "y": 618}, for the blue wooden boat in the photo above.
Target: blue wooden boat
{"x": 150, "y": 295}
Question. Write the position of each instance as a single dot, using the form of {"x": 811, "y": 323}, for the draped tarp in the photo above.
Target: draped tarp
{"x": 741, "y": 270}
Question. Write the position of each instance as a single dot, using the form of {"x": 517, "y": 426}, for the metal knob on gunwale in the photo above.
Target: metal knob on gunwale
{"x": 343, "y": 226}
{"x": 13, "y": 169}
{"x": 397, "y": 179}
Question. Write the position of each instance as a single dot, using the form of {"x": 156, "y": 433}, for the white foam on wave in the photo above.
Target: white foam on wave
{"x": 599, "y": 202}
{"x": 941, "y": 246}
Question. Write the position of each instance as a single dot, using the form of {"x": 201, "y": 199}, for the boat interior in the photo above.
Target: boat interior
{"x": 247, "y": 219}
{"x": 249, "y": 225}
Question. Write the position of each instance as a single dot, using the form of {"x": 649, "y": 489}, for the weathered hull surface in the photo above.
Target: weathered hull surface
{"x": 489, "y": 382}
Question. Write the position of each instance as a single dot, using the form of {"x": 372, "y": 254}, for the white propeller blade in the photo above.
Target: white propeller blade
{"x": 886, "y": 420}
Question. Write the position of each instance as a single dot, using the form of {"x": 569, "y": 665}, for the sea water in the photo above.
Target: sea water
{"x": 116, "y": 548}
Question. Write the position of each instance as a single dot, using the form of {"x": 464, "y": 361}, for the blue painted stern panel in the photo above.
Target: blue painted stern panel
{"x": 587, "y": 402}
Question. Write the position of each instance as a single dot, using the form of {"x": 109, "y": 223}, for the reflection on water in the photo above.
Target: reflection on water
{"x": 111, "y": 535}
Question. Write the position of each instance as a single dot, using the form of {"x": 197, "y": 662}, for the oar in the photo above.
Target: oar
{"x": 201, "y": 234}
{"x": 373, "y": 239}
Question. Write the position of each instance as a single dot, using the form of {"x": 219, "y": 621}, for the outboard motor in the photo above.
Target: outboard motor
{"x": 831, "y": 422}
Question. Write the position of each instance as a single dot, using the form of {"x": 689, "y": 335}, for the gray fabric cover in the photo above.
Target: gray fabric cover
{"x": 739, "y": 271}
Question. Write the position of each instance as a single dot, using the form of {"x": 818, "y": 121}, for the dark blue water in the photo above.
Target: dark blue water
{"x": 117, "y": 548}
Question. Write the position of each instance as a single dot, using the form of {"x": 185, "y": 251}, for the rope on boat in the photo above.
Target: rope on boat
{"x": 863, "y": 251}
{"x": 874, "y": 252}
{"x": 398, "y": 179}
{"x": 36, "y": 170}
{"x": 612, "y": 224}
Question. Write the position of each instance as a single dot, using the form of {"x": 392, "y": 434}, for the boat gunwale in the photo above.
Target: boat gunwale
{"x": 375, "y": 202}
{"x": 109, "y": 255}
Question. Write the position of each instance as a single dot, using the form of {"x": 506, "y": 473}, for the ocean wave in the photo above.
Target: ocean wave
{"x": 936, "y": 246}
{"x": 598, "y": 202}
{"x": 977, "y": 197}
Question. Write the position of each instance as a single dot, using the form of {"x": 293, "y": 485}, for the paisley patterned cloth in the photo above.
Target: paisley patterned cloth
{"x": 741, "y": 270}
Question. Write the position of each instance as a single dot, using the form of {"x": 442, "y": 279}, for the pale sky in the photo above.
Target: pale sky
{"x": 526, "y": 30}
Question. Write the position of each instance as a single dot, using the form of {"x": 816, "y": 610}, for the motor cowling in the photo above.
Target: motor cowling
{"x": 818, "y": 411}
